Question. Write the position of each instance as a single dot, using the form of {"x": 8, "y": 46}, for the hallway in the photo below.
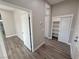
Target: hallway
{"x": 51, "y": 50}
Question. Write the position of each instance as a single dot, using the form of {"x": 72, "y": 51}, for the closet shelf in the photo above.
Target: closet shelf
{"x": 55, "y": 35}
{"x": 55, "y": 29}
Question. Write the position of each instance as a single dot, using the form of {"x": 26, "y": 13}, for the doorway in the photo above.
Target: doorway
{"x": 61, "y": 28}
{"x": 26, "y": 30}
{"x": 17, "y": 22}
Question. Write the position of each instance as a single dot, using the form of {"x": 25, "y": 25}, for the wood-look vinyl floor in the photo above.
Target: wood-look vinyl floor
{"x": 51, "y": 50}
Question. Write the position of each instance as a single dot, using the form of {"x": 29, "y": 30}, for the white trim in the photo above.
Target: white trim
{"x": 63, "y": 15}
{"x": 31, "y": 31}
{"x": 38, "y": 46}
{"x": 65, "y": 42}
{"x": 72, "y": 56}
{"x": 11, "y": 35}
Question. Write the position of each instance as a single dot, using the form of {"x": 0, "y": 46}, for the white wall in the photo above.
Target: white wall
{"x": 8, "y": 22}
{"x": 63, "y": 8}
{"x": 18, "y": 24}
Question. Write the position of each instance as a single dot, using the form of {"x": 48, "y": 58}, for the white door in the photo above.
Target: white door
{"x": 75, "y": 49}
{"x": 75, "y": 40}
{"x": 1, "y": 38}
{"x": 25, "y": 30}
{"x": 3, "y": 53}
{"x": 75, "y": 43}
{"x": 65, "y": 28}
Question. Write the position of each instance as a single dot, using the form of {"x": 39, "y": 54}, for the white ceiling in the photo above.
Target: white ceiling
{"x": 54, "y": 1}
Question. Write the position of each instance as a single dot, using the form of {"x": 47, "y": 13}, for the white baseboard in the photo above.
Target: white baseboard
{"x": 11, "y": 35}
{"x": 48, "y": 37}
{"x": 38, "y": 46}
{"x": 65, "y": 42}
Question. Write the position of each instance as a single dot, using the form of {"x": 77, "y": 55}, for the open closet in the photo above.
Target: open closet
{"x": 61, "y": 28}
{"x": 55, "y": 29}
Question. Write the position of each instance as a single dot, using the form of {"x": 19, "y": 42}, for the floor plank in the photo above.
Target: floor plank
{"x": 51, "y": 50}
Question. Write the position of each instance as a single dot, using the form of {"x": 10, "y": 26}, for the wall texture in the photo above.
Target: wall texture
{"x": 38, "y": 9}
{"x": 8, "y": 22}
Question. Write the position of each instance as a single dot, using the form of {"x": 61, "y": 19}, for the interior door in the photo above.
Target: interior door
{"x": 65, "y": 28}
{"x": 75, "y": 49}
{"x": 3, "y": 53}
{"x": 75, "y": 41}
{"x": 26, "y": 30}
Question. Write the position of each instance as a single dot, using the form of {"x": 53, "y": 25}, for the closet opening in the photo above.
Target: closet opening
{"x": 55, "y": 30}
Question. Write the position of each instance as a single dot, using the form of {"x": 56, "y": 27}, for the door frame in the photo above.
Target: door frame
{"x": 12, "y": 6}
{"x": 59, "y": 20}
{"x": 69, "y": 38}
{"x": 29, "y": 18}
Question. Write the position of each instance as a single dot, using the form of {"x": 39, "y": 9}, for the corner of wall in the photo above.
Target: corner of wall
{"x": 41, "y": 44}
